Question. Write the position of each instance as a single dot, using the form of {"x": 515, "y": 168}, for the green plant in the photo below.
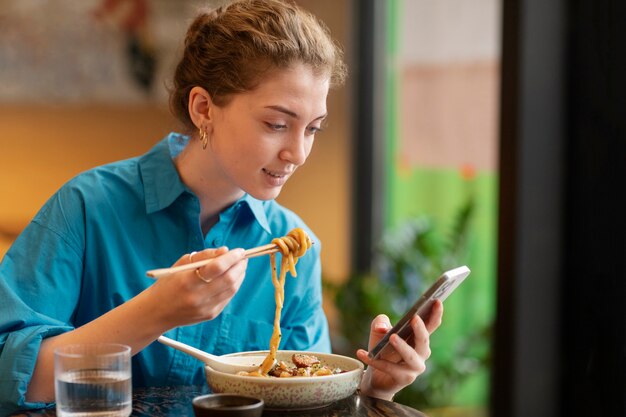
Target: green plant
{"x": 407, "y": 260}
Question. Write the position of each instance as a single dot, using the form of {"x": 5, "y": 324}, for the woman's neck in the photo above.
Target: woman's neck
{"x": 197, "y": 172}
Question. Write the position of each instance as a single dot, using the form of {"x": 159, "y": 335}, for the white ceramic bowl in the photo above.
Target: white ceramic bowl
{"x": 295, "y": 393}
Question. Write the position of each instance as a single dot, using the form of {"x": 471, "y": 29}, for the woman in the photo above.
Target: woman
{"x": 250, "y": 91}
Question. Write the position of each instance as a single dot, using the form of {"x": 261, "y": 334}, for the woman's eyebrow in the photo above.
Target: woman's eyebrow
{"x": 291, "y": 113}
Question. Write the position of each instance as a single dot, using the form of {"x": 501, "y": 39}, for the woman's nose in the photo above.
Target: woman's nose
{"x": 297, "y": 150}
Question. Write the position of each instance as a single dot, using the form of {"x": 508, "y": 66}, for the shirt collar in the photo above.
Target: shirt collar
{"x": 258, "y": 211}
{"x": 162, "y": 184}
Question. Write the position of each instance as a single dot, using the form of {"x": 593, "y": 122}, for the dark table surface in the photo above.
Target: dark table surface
{"x": 176, "y": 402}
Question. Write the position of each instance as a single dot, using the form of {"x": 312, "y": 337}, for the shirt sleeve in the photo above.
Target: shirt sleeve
{"x": 39, "y": 287}
{"x": 17, "y": 362}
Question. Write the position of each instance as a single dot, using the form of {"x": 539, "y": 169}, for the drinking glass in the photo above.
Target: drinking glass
{"x": 93, "y": 380}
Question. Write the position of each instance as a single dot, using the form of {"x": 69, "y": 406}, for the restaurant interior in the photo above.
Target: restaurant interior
{"x": 487, "y": 133}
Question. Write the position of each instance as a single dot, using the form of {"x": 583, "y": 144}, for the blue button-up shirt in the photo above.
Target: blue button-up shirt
{"x": 87, "y": 251}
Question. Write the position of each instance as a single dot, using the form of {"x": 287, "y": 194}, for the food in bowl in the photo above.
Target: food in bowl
{"x": 293, "y": 393}
{"x": 302, "y": 365}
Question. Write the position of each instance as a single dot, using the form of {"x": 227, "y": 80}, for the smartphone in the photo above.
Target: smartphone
{"x": 440, "y": 290}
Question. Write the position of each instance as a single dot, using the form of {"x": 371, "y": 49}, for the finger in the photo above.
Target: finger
{"x": 436, "y": 315}
{"x": 404, "y": 353}
{"x": 222, "y": 263}
{"x": 209, "y": 253}
{"x": 363, "y": 356}
{"x": 406, "y": 350}
{"x": 198, "y": 256}
{"x": 222, "y": 289}
{"x": 378, "y": 329}
{"x": 225, "y": 286}
{"x": 421, "y": 337}
{"x": 411, "y": 359}
{"x": 403, "y": 373}
{"x": 409, "y": 356}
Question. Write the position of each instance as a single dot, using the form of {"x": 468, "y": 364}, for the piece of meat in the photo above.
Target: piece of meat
{"x": 304, "y": 361}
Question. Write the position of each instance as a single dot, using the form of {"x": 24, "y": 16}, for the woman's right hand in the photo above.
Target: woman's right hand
{"x": 193, "y": 296}
{"x": 175, "y": 300}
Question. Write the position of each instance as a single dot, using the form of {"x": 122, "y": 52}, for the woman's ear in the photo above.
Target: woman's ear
{"x": 200, "y": 104}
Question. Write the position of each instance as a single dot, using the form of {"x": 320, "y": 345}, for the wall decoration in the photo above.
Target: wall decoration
{"x": 106, "y": 51}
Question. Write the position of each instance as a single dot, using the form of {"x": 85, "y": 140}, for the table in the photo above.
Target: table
{"x": 176, "y": 402}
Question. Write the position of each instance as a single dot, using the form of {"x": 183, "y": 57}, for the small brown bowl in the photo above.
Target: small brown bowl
{"x": 227, "y": 405}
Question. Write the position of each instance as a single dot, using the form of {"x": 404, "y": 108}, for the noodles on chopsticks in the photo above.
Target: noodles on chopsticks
{"x": 291, "y": 247}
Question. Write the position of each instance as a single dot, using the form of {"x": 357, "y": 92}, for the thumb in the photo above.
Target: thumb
{"x": 378, "y": 329}
{"x": 209, "y": 253}
{"x": 199, "y": 256}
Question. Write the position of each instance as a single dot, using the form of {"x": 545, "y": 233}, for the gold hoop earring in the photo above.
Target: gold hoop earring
{"x": 204, "y": 138}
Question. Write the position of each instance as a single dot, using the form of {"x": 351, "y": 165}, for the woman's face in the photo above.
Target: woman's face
{"x": 262, "y": 136}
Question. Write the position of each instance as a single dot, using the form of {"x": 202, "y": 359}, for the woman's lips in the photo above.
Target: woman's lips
{"x": 276, "y": 178}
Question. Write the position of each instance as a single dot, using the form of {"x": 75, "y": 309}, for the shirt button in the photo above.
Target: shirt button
{"x": 217, "y": 243}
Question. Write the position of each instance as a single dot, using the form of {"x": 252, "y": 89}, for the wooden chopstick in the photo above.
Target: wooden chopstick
{"x": 249, "y": 253}
{"x": 261, "y": 250}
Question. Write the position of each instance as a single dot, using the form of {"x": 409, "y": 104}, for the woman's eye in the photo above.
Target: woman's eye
{"x": 314, "y": 129}
{"x": 276, "y": 126}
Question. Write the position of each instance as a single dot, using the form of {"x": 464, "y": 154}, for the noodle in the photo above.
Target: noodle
{"x": 291, "y": 247}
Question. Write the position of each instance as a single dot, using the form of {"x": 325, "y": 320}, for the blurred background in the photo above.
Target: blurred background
{"x": 475, "y": 132}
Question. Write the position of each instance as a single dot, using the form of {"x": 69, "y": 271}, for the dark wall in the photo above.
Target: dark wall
{"x": 561, "y": 320}
{"x": 594, "y": 371}
{"x": 526, "y": 346}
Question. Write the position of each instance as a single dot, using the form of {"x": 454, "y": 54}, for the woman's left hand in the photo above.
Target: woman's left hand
{"x": 399, "y": 367}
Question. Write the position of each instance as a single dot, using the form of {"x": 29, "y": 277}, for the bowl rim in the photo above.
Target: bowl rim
{"x": 359, "y": 367}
